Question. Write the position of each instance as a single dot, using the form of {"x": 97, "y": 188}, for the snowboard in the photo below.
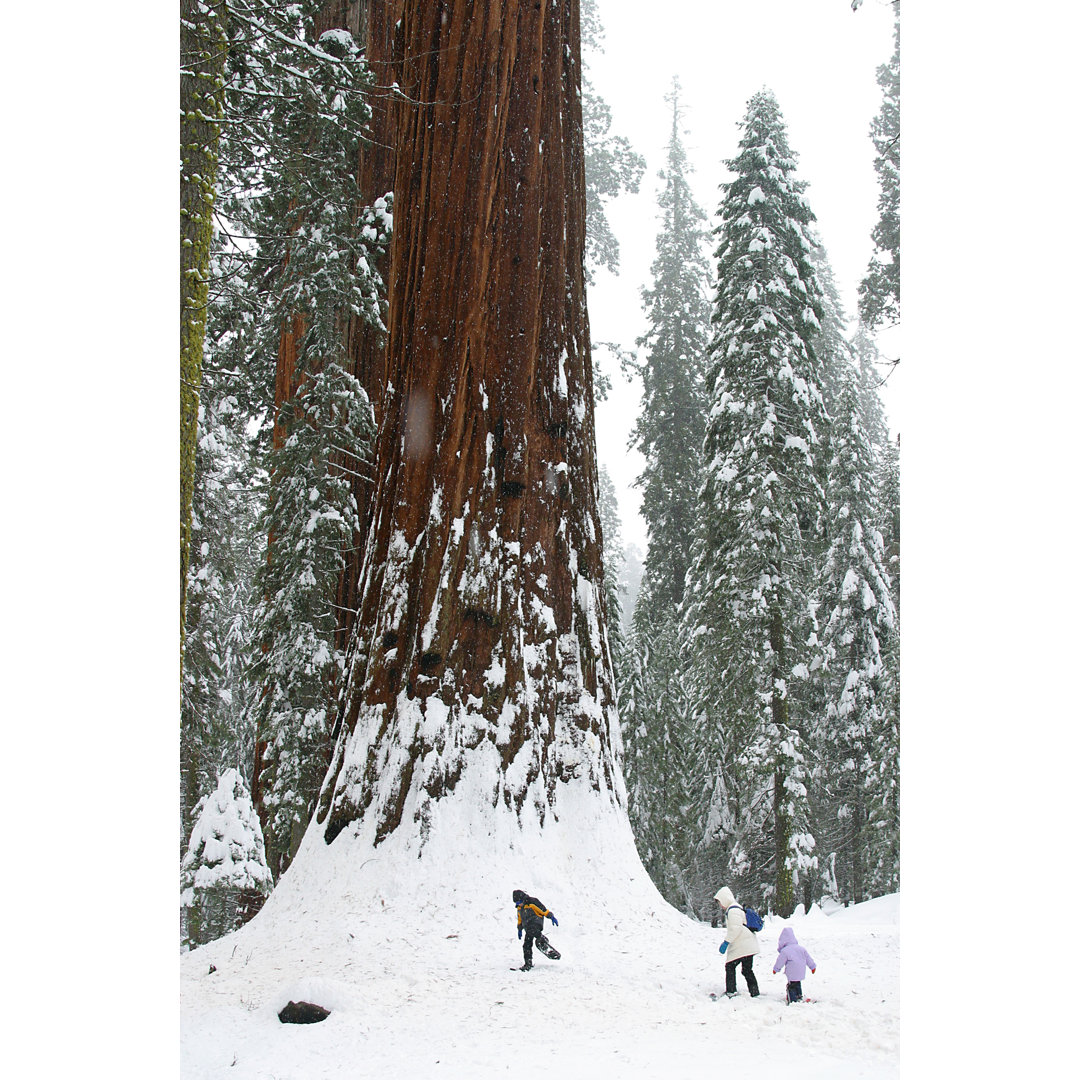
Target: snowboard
{"x": 548, "y": 949}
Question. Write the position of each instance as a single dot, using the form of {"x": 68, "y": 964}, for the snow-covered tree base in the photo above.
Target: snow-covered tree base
{"x": 412, "y": 949}
{"x": 582, "y": 862}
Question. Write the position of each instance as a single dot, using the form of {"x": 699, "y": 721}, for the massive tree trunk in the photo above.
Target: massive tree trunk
{"x": 202, "y": 67}
{"x": 481, "y": 659}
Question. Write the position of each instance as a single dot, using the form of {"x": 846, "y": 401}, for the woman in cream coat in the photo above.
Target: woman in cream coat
{"x": 740, "y": 944}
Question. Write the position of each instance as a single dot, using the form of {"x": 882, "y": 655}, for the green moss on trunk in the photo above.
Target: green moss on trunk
{"x": 203, "y": 47}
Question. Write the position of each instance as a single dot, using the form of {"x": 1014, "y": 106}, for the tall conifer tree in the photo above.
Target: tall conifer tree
{"x": 296, "y": 270}
{"x": 664, "y": 788}
{"x": 217, "y": 722}
{"x": 312, "y": 518}
{"x": 611, "y": 164}
{"x": 614, "y": 558}
{"x": 867, "y": 359}
{"x": 671, "y": 425}
{"x": 857, "y": 618}
{"x": 883, "y": 869}
{"x": 748, "y": 612}
{"x": 879, "y": 292}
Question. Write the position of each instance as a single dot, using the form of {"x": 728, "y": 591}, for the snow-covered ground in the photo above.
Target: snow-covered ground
{"x": 624, "y": 1000}
{"x": 416, "y": 958}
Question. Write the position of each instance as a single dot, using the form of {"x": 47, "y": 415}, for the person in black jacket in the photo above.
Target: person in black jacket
{"x": 530, "y": 919}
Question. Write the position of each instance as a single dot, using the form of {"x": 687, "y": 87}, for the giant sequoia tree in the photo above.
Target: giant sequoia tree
{"x": 480, "y": 658}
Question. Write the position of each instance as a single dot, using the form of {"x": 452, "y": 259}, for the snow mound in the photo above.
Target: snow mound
{"x": 881, "y": 911}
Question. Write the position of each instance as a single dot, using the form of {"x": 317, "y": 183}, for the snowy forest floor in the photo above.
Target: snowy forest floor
{"x": 437, "y": 997}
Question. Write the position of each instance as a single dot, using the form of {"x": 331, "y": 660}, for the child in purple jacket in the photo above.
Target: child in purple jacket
{"x": 794, "y": 959}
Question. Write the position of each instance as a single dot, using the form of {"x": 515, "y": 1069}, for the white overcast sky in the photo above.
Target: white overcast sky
{"x": 819, "y": 58}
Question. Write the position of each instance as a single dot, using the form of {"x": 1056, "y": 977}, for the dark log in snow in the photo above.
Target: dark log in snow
{"x": 302, "y": 1012}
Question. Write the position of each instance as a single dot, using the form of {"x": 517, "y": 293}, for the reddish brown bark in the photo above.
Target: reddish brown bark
{"x": 285, "y": 386}
{"x": 366, "y": 346}
{"x": 484, "y": 554}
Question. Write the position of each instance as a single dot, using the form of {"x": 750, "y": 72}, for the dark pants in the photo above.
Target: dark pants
{"x": 542, "y": 944}
{"x": 530, "y": 937}
{"x": 748, "y": 974}
{"x": 794, "y": 992}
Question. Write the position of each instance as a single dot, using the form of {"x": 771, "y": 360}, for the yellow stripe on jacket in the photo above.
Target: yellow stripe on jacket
{"x": 532, "y": 907}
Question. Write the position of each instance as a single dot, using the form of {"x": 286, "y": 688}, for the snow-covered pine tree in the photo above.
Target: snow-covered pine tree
{"x": 300, "y": 277}
{"x": 307, "y": 244}
{"x": 312, "y": 519}
{"x": 883, "y": 869}
{"x": 614, "y": 558}
{"x": 666, "y": 765}
{"x": 668, "y": 432}
{"x": 868, "y": 361}
{"x": 217, "y": 727}
{"x": 224, "y": 878}
{"x": 879, "y": 291}
{"x": 854, "y": 445}
{"x": 273, "y": 107}
{"x": 807, "y": 690}
{"x": 888, "y": 485}
{"x": 857, "y": 617}
{"x": 882, "y": 872}
{"x": 831, "y": 343}
{"x": 611, "y": 165}
{"x": 632, "y": 570}
{"x": 671, "y": 424}
{"x": 747, "y": 610}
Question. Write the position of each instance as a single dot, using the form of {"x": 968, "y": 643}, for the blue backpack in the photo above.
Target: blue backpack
{"x": 753, "y": 919}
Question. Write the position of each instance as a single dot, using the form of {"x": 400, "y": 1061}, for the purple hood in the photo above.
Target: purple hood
{"x": 792, "y": 957}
